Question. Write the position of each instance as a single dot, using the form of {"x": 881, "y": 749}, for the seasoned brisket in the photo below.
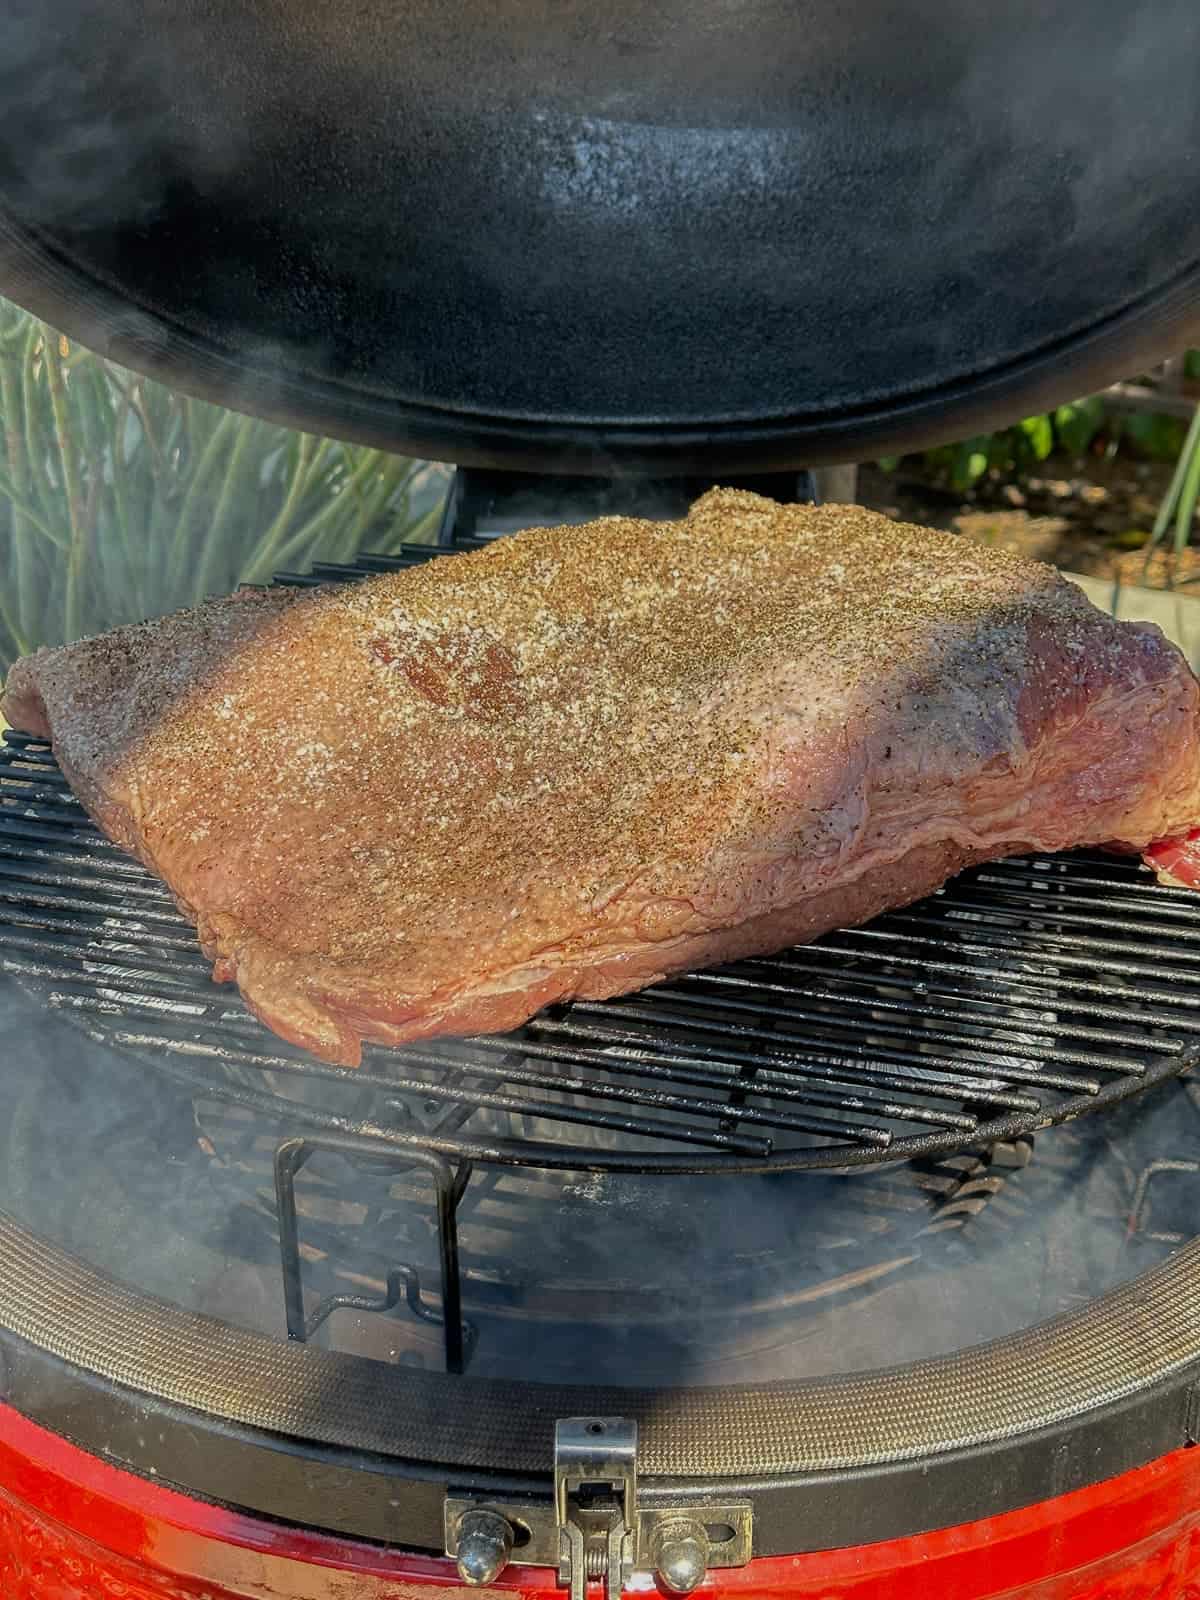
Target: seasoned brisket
{"x": 583, "y": 758}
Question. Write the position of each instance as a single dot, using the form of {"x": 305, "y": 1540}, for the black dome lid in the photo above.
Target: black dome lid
{"x": 684, "y": 235}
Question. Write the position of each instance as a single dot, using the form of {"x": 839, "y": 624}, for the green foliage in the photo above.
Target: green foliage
{"x": 1077, "y": 424}
{"x": 1179, "y": 502}
{"x": 1074, "y": 429}
{"x": 1037, "y": 436}
{"x": 1071, "y": 427}
{"x": 120, "y": 499}
{"x": 1157, "y": 437}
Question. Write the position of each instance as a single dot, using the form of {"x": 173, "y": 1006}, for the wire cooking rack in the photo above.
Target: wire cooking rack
{"x": 1024, "y": 994}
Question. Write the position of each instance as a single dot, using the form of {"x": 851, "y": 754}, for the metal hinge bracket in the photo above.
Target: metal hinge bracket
{"x": 596, "y": 1531}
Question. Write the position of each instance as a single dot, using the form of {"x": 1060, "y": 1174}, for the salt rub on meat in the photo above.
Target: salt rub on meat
{"x": 584, "y": 758}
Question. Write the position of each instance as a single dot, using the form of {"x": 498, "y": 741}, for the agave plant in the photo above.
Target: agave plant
{"x": 1177, "y": 510}
{"x": 120, "y": 499}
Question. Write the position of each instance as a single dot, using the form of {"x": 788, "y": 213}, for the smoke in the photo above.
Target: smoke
{"x": 137, "y": 149}
{"x": 1063, "y": 138}
{"x": 574, "y": 1277}
{"x": 101, "y": 1156}
{"x": 85, "y": 112}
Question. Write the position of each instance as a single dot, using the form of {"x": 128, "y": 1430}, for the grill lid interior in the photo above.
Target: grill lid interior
{"x": 693, "y": 237}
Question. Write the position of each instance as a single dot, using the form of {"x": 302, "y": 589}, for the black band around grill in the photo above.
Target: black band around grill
{"x": 1066, "y": 1403}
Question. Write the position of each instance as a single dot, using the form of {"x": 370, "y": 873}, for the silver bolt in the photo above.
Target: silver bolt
{"x": 682, "y": 1551}
{"x": 485, "y": 1541}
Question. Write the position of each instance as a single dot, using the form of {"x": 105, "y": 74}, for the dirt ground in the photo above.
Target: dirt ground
{"x": 1092, "y": 516}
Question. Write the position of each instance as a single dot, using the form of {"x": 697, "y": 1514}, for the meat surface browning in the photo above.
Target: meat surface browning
{"x": 584, "y": 758}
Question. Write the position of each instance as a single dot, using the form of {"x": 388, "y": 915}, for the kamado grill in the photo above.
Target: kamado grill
{"x": 867, "y": 1269}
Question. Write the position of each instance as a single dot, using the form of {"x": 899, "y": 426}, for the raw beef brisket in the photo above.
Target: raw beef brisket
{"x": 583, "y": 758}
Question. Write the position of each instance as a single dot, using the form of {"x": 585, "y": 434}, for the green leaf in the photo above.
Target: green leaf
{"x": 970, "y": 462}
{"x": 889, "y": 463}
{"x": 1189, "y": 494}
{"x": 1077, "y": 424}
{"x": 1039, "y": 433}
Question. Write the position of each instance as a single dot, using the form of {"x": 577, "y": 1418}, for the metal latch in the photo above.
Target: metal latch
{"x": 596, "y": 1531}
{"x": 595, "y": 1502}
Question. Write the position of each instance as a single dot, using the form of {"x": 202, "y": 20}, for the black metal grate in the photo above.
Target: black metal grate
{"x": 1024, "y": 994}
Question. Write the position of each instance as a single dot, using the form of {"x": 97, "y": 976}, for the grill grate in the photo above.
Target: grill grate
{"x": 1024, "y": 994}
